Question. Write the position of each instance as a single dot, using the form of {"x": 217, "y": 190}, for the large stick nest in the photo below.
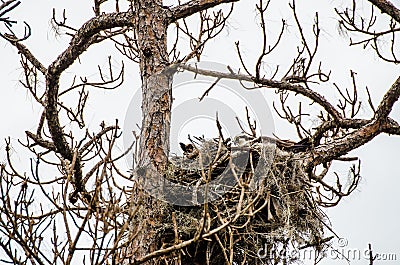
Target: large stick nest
{"x": 255, "y": 191}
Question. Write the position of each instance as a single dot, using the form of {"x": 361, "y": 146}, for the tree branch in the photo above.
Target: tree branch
{"x": 386, "y": 105}
{"x": 82, "y": 39}
{"x": 388, "y": 8}
{"x": 193, "y": 7}
{"x": 380, "y": 123}
{"x": 79, "y": 43}
{"x": 28, "y": 55}
{"x": 342, "y": 146}
{"x": 40, "y": 141}
{"x": 318, "y": 98}
{"x": 391, "y": 127}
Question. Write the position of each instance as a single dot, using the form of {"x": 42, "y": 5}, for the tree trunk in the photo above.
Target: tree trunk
{"x": 151, "y": 33}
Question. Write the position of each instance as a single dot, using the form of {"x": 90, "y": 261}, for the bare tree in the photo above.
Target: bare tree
{"x": 105, "y": 221}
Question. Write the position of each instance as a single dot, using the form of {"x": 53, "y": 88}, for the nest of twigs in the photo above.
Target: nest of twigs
{"x": 251, "y": 202}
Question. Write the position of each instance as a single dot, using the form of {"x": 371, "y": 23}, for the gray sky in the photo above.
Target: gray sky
{"x": 369, "y": 215}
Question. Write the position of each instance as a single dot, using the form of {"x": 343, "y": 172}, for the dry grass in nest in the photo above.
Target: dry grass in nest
{"x": 269, "y": 206}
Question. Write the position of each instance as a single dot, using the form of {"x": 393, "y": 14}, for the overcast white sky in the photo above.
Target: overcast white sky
{"x": 369, "y": 215}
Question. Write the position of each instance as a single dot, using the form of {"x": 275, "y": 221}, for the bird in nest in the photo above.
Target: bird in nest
{"x": 189, "y": 150}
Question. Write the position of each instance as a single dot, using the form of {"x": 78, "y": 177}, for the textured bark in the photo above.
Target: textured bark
{"x": 193, "y": 7}
{"x": 156, "y": 88}
{"x": 388, "y": 8}
{"x": 151, "y": 27}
